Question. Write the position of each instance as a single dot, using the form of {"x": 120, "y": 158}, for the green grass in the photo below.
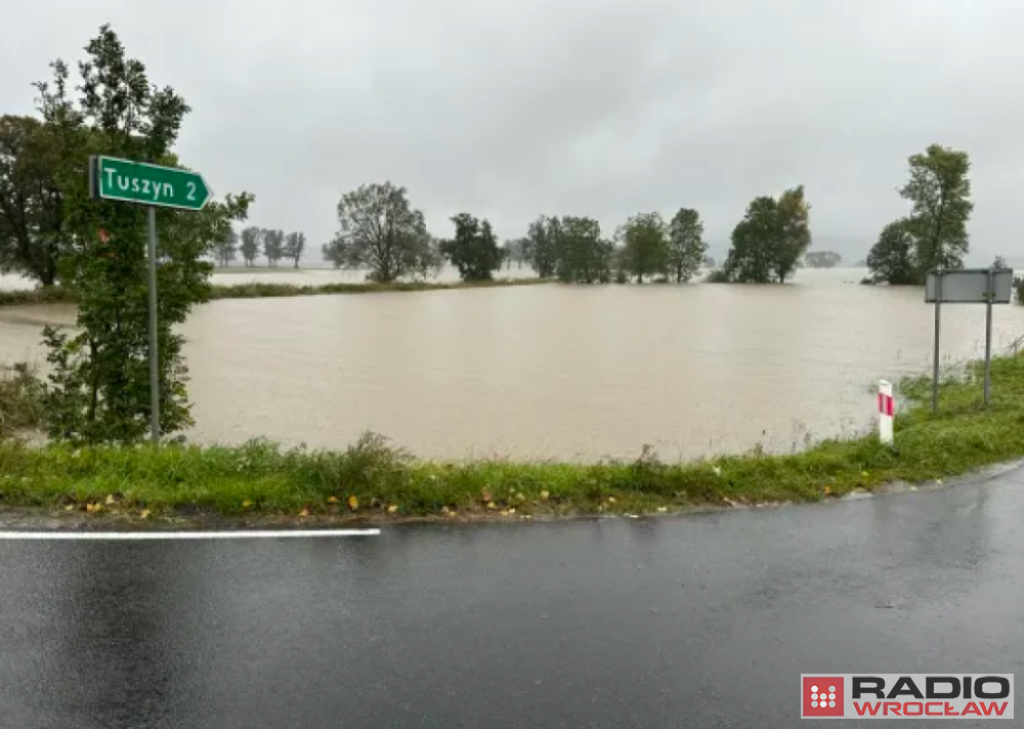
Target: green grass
{"x": 265, "y": 479}
{"x": 252, "y": 290}
{"x": 42, "y": 295}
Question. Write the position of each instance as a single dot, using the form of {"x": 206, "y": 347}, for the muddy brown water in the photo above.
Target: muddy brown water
{"x": 556, "y": 371}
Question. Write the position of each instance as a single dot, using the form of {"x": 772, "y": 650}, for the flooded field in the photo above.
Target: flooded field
{"x": 554, "y": 371}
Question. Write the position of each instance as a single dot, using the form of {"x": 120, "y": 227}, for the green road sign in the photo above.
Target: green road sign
{"x": 167, "y": 187}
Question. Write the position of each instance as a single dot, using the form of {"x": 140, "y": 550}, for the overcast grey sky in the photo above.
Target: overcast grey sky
{"x": 511, "y": 108}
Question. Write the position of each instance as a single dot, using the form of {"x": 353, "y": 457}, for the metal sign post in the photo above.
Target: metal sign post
{"x": 935, "y": 351}
{"x": 155, "y": 186}
{"x": 988, "y": 334}
{"x": 967, "y": 286}
{"x": 154, "y": 362}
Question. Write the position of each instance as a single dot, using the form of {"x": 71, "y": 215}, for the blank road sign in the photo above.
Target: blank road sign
{"x": 970, "y": 286}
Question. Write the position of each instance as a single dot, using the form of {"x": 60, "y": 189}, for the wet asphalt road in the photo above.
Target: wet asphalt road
{"x": 705, "y": 620}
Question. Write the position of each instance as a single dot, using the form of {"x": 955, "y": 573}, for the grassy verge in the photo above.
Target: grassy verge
{"x": 43, "y": 295}
{"x": 372, "y": 479}
{"x": 252, "y": 290}
{"x": 266, "y": 290}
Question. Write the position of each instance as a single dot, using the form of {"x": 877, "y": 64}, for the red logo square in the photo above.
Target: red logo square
{"x": 821, "y": 696}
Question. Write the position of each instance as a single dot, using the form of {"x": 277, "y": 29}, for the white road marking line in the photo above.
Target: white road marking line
{"x": 68, "y": 536}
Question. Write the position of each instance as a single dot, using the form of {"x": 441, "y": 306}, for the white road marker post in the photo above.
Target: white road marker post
{"x": 886, "y": 411}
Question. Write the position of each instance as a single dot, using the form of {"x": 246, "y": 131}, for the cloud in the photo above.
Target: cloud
{"x": 511, "y": 108}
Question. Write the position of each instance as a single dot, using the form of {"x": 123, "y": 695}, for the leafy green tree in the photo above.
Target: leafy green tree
{"x": 225, "y": 248}
{"x": 273, "y": 246}
{"x": 795, "y": 232}
{"x": 940, "y": 192}
{"x": 752, "y": 256}
{"x": 474, "y": 250}
{"x": 893, "y": 259}
{"x": 380, "y": 231}
{"x": 429, "y": 261}
{"x": 644, "y": 245}
{"x": 823, "y": 259}
{"x": 335, "y": 252}
{"x": 542, "y": 246}
{"x": 583, "y": 256}
{"x": 98, "y": 386}
{"x": 686, "y": 247}
{"x": 770, "y": 240}
{"x": 252, "y": 239}
{"x": 32, "y": 230}
{"x": 294, "y": 245}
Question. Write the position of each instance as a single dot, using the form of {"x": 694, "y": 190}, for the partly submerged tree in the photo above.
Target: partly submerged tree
{"x": 474, "y": 250}
{"x": 294, "y": 245}
{"x": 542, "y": 246}
{"x": 381, "y": 232}
{"x": 770, "y": 240}
{"x": 644, "y": 245}
{"x": 225, "y": 247}
{"x": 940, "y": 192}
{"x": 795, "y": 232}
{"x": 273, "y": 246}
{"x": 583, "y": 256}
{"x": 252, "y": 239}
{"x": 752, "y": 256}
{"x": 686, "y": 246}
{"x": 99, "y": 387}
{"x": 893, "y": 259}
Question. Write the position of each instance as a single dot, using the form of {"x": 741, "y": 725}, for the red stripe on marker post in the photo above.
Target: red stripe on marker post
{"x": 886, "y": 411}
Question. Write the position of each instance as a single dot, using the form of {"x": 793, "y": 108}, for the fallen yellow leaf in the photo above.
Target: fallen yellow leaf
{"x": 511, "y": 511}
{"x": 828, "y": 490}
{"x": 393, "y": 508}
{"x": 545, "y": 495}
{"x": 504, "y": 512}
{"x": 520, "y": 497}
{"x": 353, "y": 503}
{"x": 491, "y": 505}
{"x": 110, "y": 499}
{"x": 304, "y": 512}
{"x": 246, "y": 504}
{"x": 332, "y": 500}
{"x": 144, "y": 514}
{"x": 611, "y": 499}
{"x": 662, "y": 509}
{"x": 69, "y": 507}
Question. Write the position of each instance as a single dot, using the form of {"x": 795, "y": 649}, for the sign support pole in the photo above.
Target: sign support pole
{"x": 935, "y": 354}
{"x": 154, "y": 364}
{"x": 988, "y": 335}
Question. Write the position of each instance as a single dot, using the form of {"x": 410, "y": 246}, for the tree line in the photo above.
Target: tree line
{"x": 254, "y": 242}
{"x": 379, "y": 230}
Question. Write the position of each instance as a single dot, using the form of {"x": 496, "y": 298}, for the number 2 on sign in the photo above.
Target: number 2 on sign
{"x": 191, "y": 191}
